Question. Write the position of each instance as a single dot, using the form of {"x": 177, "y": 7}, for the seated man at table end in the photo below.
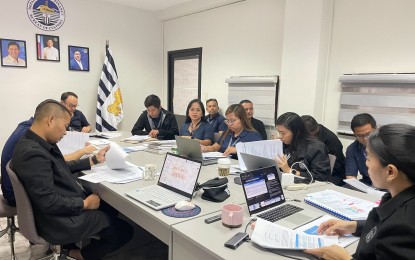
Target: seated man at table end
{"x": 155, "y": 121}
{"x": 64, "y": 212}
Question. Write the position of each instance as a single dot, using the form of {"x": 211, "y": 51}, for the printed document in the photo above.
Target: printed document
{"x": 274, "y": 236}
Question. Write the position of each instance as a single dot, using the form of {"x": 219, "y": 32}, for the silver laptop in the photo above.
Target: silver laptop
{"x": 191, "y": 148}
{"x": 265, "y": 199}
{"x": 176, "y": 183}
{"x": 253, "y": 162}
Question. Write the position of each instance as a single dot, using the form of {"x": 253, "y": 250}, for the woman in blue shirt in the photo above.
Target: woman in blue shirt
{"x": 239, "y": 130}
{"x": 195, "y": 125}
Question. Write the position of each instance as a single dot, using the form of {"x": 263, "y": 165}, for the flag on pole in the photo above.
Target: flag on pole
{"x": 109, "y": 103}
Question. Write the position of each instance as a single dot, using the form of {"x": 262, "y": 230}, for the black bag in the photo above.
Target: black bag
{"x": 215, "y": 190}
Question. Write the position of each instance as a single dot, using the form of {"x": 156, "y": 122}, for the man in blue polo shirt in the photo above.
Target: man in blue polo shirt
{"x": 215, "y": 120}
{"x": 78, "y": 120}
{"x": 362, "y": 126}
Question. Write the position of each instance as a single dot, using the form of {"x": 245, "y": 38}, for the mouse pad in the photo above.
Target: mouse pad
{"x": 173, "y": 212}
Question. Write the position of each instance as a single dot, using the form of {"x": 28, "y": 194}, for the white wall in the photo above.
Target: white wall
{"x": 243, "y": 39}
{"x": 135, "y": 39}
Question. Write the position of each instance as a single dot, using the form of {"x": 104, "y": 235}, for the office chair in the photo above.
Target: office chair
{"x": 8, "y": 212}
{"x": 26, "y": 218}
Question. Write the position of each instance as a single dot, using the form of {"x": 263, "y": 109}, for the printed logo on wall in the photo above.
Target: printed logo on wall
{"x": 47, "y": 15}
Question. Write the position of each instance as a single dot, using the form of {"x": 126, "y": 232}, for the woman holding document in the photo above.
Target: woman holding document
{"x": 299, "y": 146}
{"x": 239, "y": 130}
{"x": 389, "y": 231}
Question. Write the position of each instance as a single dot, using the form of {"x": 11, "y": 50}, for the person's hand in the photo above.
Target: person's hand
{"x": 88, "y": 148}
{"x": 92, "y": 201}
{"x": 101, "y": 154}
{"x": 86, "y": 129}
{"x": 230, "y": 150}
{"x": 153, "y": 133}
{"x": 337, "y": 227}
{"x": 282, "y": 162}
{"x": 186, "y": 136}
{"x": 333, "y": 252}
{"x": 203, "y": 148}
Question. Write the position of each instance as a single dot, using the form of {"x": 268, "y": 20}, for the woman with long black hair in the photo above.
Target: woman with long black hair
{"x": 299, "y": 146}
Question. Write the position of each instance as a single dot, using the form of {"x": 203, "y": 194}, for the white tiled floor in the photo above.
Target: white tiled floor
{"x": 142, "y": 246}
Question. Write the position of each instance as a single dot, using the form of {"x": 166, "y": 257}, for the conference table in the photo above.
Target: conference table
{"x": 192, "y": 238}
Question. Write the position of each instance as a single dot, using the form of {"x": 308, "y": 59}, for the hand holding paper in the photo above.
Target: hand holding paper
{"x": 116, "y": 157}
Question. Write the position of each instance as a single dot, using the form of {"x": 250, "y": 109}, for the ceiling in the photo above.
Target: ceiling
{"x": 149, "y": 5}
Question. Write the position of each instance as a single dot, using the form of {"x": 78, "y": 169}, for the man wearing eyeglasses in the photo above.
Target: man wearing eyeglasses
{"x": 78, "y": 120}
{"x": 257, "y": 124}
{"x": 362, "y": 126}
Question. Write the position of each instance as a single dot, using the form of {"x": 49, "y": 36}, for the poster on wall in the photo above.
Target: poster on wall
{"x": 13, "y": 53}
{"x": 78, "y": 58}
{"x": 47, "y": 47}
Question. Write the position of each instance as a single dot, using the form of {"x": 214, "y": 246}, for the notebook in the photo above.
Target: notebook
{"x": 177, "y": 182}
{"x": 340, "y": 205}
{"x": 264, "y": 195}
{"x": 191, "y": 148}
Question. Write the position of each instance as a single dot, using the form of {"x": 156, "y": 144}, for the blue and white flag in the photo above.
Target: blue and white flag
{"x": 109, "y": 103}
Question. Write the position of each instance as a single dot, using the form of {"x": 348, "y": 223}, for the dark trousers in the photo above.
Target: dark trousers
{"x": 112, "y": 238}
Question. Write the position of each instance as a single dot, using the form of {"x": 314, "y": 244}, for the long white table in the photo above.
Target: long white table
{"x": 192, "y": 238}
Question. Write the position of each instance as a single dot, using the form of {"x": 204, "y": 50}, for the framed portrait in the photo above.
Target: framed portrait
{"x": 78, "y": 58}
{"x": 47, "y": 47}
{"x": 13, "y": 53}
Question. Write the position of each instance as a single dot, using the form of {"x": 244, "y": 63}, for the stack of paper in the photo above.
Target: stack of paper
{"x": 274, "y": 236}
{"x": 104, "y": 173}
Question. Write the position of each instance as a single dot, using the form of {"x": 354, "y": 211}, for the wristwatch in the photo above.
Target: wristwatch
{"x": 192, "y": 137}
{"x": 294, "y": 171}
{"x": 94, "y": 159}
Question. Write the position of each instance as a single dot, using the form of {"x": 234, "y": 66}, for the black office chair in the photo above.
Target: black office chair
{"x": 26, "y": 218}
{"x": 8, "y": 212}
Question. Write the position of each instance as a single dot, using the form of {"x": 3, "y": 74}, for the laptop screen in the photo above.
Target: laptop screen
{"x": 262, "y": 188}
{"x": 179, "y": 174}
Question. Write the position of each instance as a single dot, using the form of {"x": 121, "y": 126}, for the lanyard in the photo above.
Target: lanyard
{"x": 232, "y": 144}
{"x": 194, "y": 128}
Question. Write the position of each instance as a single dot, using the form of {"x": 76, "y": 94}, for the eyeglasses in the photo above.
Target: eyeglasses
{"x": 72, "y": 105}
{"x": 230, "y": 122}
{"x": 363, "y": 136}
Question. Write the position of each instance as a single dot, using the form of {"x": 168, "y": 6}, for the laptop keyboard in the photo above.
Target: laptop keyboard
{"x": 280, "y": 212}
{"x": 163, "y": 194}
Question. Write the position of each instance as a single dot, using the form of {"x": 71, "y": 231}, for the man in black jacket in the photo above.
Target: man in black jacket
{"x": 333, "y": 145}
{"x": 64, "y": 212}
{"x": 156, "y": 121}
{"x": 257, "y": 124}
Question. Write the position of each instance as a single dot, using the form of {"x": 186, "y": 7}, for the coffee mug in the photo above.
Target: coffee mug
{"x": 150, "y": 171}
{"x": 232, "y": 215}
{"x": 224, "y": 166}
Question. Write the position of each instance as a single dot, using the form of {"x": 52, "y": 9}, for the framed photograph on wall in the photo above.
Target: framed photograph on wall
{"x": 13, "y": 53}
{"x": 78, "y": 58}
{"x": 47, "y": 47}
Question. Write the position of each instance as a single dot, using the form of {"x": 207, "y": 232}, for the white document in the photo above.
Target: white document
{"x": 103, "y": 173}
{"x": 267, "y": 149}
{"x": 274, "y": 236}
{"x": 99, "y": 142}
{"x": 72, "y": 141}
{"x": 116, "y": 157}
{"x": 311, "y": 229}
{"x": 213, "y": 155}
{"x": 134, "y": 148}
{"x": 106, "y": 135}
{"x": 137, "y": 138}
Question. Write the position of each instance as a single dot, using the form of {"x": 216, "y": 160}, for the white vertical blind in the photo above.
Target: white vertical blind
{"x": 186, "y": 73}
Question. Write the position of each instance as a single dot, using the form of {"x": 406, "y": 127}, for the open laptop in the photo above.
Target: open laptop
{"x": 177, "y": 182}
{"x": 191, "y": 148}
{"x": 264, "y": 196}
{"x": 253, "y": 162}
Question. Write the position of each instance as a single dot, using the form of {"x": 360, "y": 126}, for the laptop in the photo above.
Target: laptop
{"x": 253, "y": 162}
{"x": 191, "y": 148}
{"x": 177, "y": 182}
{"x": 264, "y": 196}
